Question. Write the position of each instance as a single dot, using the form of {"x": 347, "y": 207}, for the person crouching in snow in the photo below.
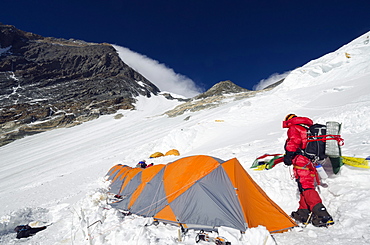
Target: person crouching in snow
{"x": 304, "y": 172}
{"x": 141, "y": 164}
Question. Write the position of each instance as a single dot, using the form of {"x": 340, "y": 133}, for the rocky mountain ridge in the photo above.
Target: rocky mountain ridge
{"x": 59, "y": 83}
{"x": 219, "y": 94}
{"x": 48, "y": 83}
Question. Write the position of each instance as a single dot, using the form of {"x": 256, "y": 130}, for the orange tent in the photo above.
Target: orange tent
{"x": 199, "y": 192}
{"x": 156, "y": 154}
{"x": 173, "y": 152}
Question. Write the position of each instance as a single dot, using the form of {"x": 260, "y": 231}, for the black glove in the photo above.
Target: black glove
{"x": 288, "y": 157}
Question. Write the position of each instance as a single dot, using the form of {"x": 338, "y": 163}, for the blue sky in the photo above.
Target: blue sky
{"x": 205, "y": 41}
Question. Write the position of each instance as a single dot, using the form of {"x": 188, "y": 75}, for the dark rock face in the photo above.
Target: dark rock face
{"x": 60, "y": 83}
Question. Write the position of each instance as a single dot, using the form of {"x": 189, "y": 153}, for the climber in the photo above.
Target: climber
{"x": 310, "y": 203}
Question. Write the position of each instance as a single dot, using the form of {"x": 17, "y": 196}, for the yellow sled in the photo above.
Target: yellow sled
{"x": 356, "y": 162}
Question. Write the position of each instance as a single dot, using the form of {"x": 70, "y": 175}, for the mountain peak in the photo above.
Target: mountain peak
{"x": 59, "y": 82}
{"x": 221, "y": 88}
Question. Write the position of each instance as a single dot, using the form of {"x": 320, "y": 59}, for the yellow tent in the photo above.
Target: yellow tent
{"x": 173, "y": 152}
{"x": 156, "y": 154}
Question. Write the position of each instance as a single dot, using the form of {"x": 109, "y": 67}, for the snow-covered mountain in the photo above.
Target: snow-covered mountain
{"x": 52, "y": 82}
{"x": 58, "y": 176}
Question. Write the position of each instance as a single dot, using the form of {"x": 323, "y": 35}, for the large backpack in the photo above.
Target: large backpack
{"x": 315, "y": 148}
{"x": 323, "y": 141}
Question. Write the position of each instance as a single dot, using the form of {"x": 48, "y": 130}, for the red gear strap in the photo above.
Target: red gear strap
{"x": 327, "y": 137}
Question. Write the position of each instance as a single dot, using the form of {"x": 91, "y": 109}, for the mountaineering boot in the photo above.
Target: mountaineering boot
{"x": 321, "y": 217}
{"x": 301, "y": 215}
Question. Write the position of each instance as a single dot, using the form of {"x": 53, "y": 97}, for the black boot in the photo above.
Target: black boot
{"x": 321, "y": 217}
{"x": 301, "y": 215}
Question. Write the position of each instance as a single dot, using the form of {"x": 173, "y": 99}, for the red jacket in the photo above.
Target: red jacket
{"x": 297, "y": 137}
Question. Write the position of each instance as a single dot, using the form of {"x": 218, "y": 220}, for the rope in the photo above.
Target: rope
{"x": 156, "y": 194}
{"x": 327, "y": 137}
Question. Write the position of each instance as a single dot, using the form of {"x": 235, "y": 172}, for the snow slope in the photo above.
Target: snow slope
{"x": 57, "y": 177}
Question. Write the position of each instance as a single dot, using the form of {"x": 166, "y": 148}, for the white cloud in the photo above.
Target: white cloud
{"x": 159, "y": 74}
{"x": 270, "y": 80}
